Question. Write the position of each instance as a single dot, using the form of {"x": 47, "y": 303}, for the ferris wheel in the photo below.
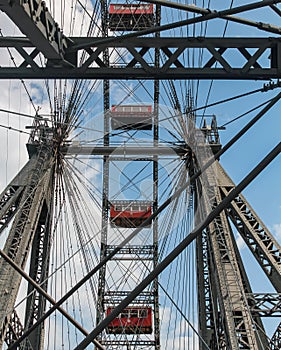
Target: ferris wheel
{"x": 120, "y": 227}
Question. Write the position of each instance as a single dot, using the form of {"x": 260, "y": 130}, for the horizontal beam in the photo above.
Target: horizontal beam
{"x": 125, "y": 150}
{"x": 265, "y": 304}
{"x": 223, "y": 58}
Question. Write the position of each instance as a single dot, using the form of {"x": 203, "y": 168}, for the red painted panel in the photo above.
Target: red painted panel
{"x": 128, "y": 9}
{"x": 136, "y": 320}
{"x": 129, "y": 219}
{"x": 143, "y": 214}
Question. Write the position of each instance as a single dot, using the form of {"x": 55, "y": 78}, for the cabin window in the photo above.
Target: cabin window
{"x": 143, "y": 313}
{"x": 134, "y": 314}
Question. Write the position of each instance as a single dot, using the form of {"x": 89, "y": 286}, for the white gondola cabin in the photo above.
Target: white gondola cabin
{"x": 131, "y": 117}
{"x": 128, "y": 17}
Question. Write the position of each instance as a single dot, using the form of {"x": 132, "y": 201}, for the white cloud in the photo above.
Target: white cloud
{"x": 277, "y": 230}
{"x": 240, "y": 243}
{"x": 71, "y": 20}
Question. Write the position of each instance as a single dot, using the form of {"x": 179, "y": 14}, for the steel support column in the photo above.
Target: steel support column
{"x": 39, "y": 268}
{"x": 258, "y": 238}
{"x": 11, "y": 195}
{"x": 239, "y": 332}
{"x": 105, "y": 176}
{"x": 19, "y": 241}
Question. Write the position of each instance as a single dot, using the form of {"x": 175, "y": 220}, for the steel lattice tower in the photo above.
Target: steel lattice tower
{"x": 230, "y": 314}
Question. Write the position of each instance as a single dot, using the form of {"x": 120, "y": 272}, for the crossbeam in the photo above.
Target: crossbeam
{"x": 223, "y": 58}
{"x": 122, "y": 150}
{"x": 265, "y": 304}
{"x": 16, "y": 329}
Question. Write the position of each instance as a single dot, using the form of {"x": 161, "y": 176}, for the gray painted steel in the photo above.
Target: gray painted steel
{"x": 136, "y": 66}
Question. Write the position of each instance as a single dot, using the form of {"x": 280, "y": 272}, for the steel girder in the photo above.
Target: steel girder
{"x": 11, "y": 195}
{"x": 267, "y": 252}
{"x": 226, "y": 319}
{"x": 105, "y": 177}
{"x": 263, "y": 246}
{"x": 39, "y": 267}
{"x": 9, "y": 204}
{"x": 35, "y": 21}
{"x": 125, "y": 151}
{"x": 15, "y": 330}
{"x": 236, "y": 321}
{"x": 275, "y": 343}
{"x": 207, "y": 298}
{"x": 19, "y": 241}
{"x": 260, "y": 241}
{"x": 255, "y": 59}
{"x": 265, "y": 304}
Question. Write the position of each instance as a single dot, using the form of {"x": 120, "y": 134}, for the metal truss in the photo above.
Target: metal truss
{"x": 161, "y": 150}
{"x": 275, "y": 343}
{"x": 221, "y": 243}
{"x": 146, "y": 250}
{"x": 16, "y": 329}
{"x": 265, "y": 304}
{"x": 265, "y": 249}
{"x": 115, "y": 297}
{"x": 35, "y": 21}
{"x": 260, "y": 241}
{"x": 11, "y": 195}
{"x": 226, "y": 319}
{"x": 39, "y": 268}
{"x": 237, "y": 322}
{"x": 208, "y": 314}
{"x": 257, "y": 59}
{"x": 18, "y": 243}
{"x": 148, "y": 344}
{"x": 9, "y": 203}
{"x": 105, "y": 179}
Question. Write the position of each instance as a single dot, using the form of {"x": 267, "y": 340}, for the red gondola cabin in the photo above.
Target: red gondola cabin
{"x": 129, "y": 214}
{"x": 133, "y": 320}
{"x": 131, "y": 117}
{"x": 130, "y": 17}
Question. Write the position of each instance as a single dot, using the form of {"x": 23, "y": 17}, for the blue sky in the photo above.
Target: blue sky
{"x": 264, "y": 194}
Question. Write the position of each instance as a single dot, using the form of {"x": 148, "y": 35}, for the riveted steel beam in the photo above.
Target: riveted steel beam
{"x": 275, "y": 343}
{"x": 265, "y": 304}
{"x": 124, "y": 151}
{"x": 35, "y": 21}
{"x": 256, "y": 59}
